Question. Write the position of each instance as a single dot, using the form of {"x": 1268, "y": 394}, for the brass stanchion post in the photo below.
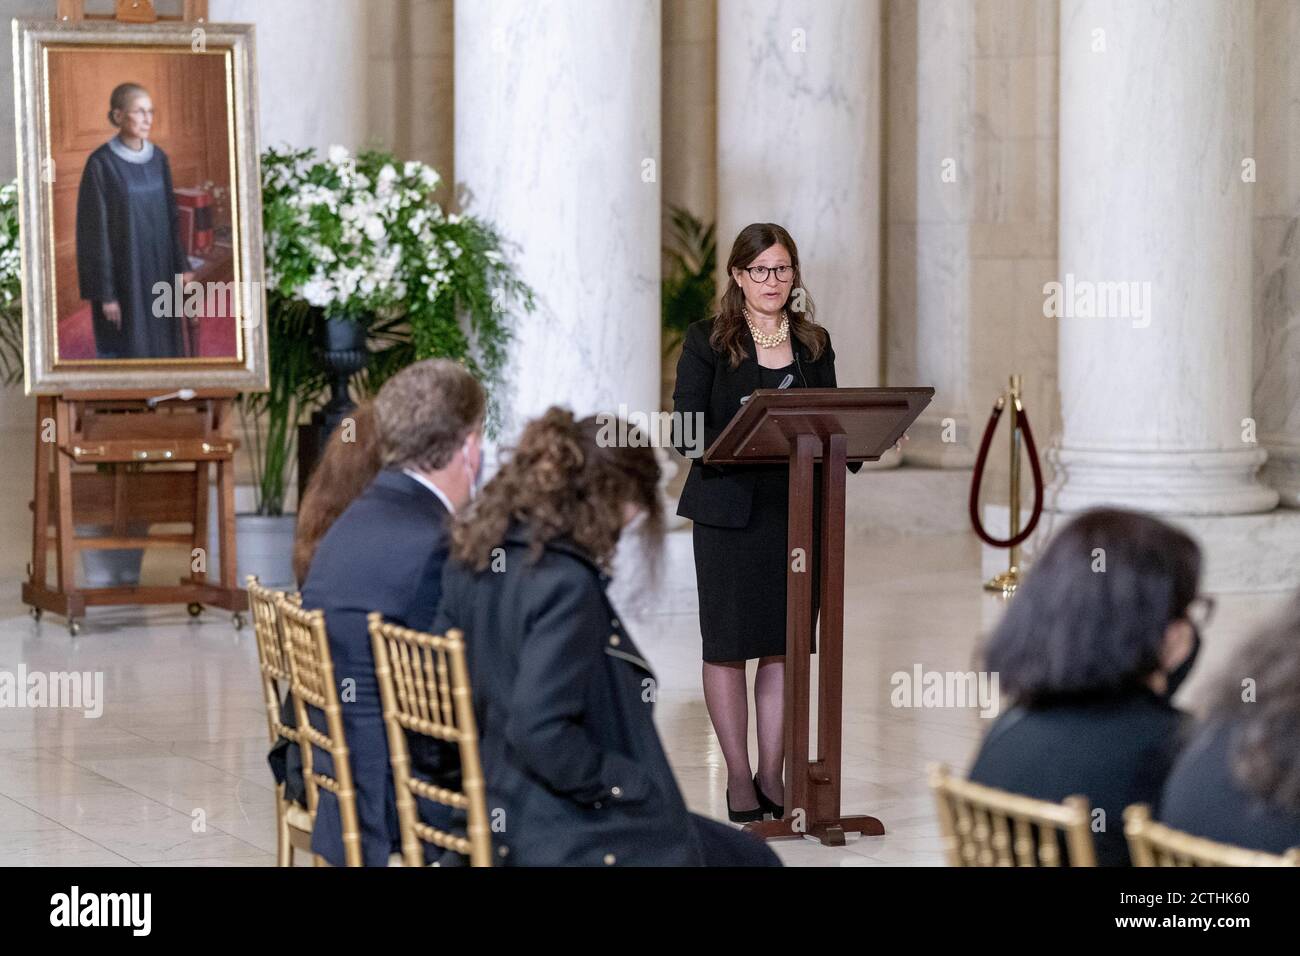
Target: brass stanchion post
{"x": 1006, "y": 581}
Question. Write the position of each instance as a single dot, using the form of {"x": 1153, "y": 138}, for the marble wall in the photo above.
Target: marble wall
{"x": 1277, "y": 243}
{"x": 961, "y": 260}
{"x": 312, "y": 68}
{"x": 557, "y": 142}
{"x": 799, "y": 145}
{"x": 690, "y": 96}
{"x": 1155, "y": 201}
{"x": 970, "y": 215}
{"x": 411, "y": 65}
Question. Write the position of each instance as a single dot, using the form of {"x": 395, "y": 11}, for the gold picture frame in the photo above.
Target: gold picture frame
{"x": 220, "y": 343}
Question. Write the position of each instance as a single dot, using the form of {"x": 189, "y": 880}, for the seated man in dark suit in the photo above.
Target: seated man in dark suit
{"x": 385, "y": 553}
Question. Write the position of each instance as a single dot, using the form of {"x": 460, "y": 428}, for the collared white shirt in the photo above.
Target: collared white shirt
{"x": 446, "y": 502}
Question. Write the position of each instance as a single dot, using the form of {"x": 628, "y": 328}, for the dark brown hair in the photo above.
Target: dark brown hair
{"x": 350, "y": 461}
{"x": 1265, "y": 756}
{"x": 425, "y": 412}
{"x": 564, "y": 480}
{"x": 729, "y": 329}
{"x": 1090, "y": 618}
{"x": 121, "y": 98}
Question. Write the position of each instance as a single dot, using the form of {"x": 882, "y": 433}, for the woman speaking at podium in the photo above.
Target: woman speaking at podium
{"x": 763, "y": 336}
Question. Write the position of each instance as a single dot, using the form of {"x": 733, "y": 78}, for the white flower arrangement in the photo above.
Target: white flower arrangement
{"x": 361, "y": 236}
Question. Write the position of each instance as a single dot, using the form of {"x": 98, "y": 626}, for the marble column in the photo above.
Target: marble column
{"x": 928, "y": 303}
{"x": 970, "y": 216}
{"x": 311, "y": 69}
{"x": 1277, "y": 243}
{"x": 557, "y": 143}
{"x": 799, "y": 144}
{"x": 1155, "y": 258}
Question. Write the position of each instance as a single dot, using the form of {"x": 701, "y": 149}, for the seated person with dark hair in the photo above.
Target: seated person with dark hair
{"x": 1089, "y": 654}
{"x": 385, "y": 553}
{"x": 1238, "y": 781}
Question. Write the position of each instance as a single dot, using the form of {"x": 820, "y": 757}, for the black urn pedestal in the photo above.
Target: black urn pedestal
{"x": 343, "y": 353}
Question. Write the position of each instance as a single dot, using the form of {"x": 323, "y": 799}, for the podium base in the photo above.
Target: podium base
{"x": 827, "y": 832}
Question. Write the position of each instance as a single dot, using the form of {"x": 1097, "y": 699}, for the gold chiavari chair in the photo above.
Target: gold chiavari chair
{"x": 292, "y": 822}
{"x": 424, "y": 687}
{"x": 1154, "y": 844}
{"x": 311, "y": 681}
{"x": 984, "y": 826}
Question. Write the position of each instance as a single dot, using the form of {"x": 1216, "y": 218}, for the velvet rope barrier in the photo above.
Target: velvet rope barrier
{"x": 977, "y": 477}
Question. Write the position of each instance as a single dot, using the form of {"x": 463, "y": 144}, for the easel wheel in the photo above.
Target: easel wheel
{"x": 195, "y": 608}
{"x": 238, "y": 620}
{"x": 74, "y": 626}
{"x": 36, "y": 613}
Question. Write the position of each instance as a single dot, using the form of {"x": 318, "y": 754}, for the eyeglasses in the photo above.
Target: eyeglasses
{"x": 760, "y": 273}
{"x": 1200, "y": 611}
{"x": 138, "y": 113}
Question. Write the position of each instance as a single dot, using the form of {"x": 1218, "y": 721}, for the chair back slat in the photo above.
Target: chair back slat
{"x": 984, "y": 826}
{"x": 273, "y": 668}
{"x": 1155, "y": 844}
{"x": 424, "y": 688}
{"x": 311, "y": 681}
{"x": 271, "y": 659}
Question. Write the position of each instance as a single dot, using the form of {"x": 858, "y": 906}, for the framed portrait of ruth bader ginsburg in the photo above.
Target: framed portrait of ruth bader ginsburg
{"x": 140, "y": 206}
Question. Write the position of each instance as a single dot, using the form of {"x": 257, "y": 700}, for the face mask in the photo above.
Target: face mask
{"x": 1179, "y": 673}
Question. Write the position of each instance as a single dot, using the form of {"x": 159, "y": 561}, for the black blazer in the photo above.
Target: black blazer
{"x": 1203, "y": 796}
{"x": 706, "y": 383}
{"x": 385, "y": 553}
{"x": 574, "y": 766}
{"x": 1114, "y": 751}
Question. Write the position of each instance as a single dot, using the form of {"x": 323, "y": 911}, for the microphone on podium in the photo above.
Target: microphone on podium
{"x": 785, "y": 383}
{"x": 184, "y": 394}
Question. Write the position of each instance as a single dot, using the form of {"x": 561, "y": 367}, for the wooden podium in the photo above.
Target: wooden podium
{"x": 804, "y": 426}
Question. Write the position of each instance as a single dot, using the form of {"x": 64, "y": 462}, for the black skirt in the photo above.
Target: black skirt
{"x": 740, "y": 574}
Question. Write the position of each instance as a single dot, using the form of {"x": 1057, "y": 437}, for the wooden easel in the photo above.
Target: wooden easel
{"x": 123, "y": 435}
{"x": 133, "y": 11}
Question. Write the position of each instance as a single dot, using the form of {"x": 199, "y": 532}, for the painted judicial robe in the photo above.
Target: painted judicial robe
{"x": 128, "y": 240}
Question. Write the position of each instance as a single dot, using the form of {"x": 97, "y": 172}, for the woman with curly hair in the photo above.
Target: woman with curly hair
{"x": 562, "y": 696}
{"x": 1239, "y": 780}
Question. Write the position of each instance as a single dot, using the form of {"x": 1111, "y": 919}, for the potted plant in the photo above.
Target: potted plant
{"x": 690, "y": 277}
{"x": 689, "y": 291}
{"x": 360, "y": 256}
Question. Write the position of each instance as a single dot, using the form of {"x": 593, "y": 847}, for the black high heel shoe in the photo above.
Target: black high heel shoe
{"x": 745, "y": 816}
{"x": 766, "y": 805}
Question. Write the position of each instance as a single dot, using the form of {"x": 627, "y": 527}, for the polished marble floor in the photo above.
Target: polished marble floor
{"x": 174, "y": 771}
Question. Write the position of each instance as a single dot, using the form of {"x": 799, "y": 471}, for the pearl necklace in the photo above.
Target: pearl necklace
{"x": 768, "y": 340}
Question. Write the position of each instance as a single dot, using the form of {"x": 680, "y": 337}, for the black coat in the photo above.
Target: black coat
{"x": 385, "y": 553}
{"x": 1203, "y": 796}
{"x": 1114, "y": 751}
{"x": 576, "y": 774}
{"x": 706, "y": 383}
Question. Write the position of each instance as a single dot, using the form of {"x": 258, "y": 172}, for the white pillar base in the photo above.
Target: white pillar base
{"x": 1282, "y": 471}
{"x": 925, "y": 445}
{"x": 1162, "y": 482}
{"x": 1243, "y": 553}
